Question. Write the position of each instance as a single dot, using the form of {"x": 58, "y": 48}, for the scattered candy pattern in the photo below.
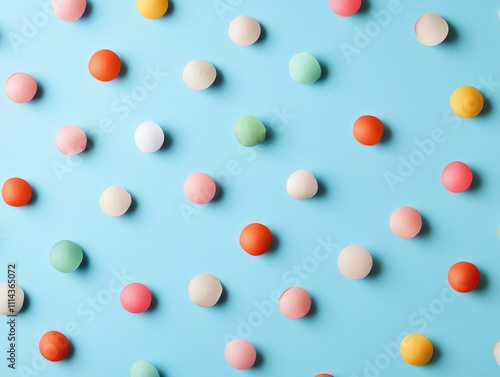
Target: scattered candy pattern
{"x": 205, "y": 290}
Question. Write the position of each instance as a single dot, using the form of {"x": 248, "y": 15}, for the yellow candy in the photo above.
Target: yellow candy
{"x": 416, "y": 349}
{"x": 152, "y": 9}
{"x": 467, "y": 102}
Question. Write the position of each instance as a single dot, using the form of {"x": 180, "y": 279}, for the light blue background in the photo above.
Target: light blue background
{"x": 405, "y": 84}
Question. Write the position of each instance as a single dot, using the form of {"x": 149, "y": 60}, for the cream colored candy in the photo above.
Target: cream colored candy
{"x": 115, "y": 201}
{"x": 302, "y": 185}
{"x": 16, "y": 296}
{"x": 244, "y": 30}
{"x": 199, "y": 74}
{"x": 355, "y": 262}
{"x": 205, "y": 290}
{"x": 431, "y": 29}
{"x": 496, "y": 352}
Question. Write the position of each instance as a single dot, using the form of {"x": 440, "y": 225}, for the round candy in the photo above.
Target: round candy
{"x": 16, "y": 192}
{"x": 105, "y": 65}
{"x": 302, "y": 185}
{"x": 249, "y": 131}
{"x": 152, "y": 9}
{"x": 304, "y": 68}
{"x": 466, "y": 102}
{"x": 244, "y": 30}
{"x": 324, "y": 375}
{"x": 199, "y": 74}
{"x": 54, "y": 346}
{"x": 205, "y": 290}
{"x": 345, "y": 8}
{"x": 143, "y": 368}
{"x": 8, "y": 293}
{"x": 496, "y": 352}
{"x": 66, "y": 256}
{"x": 149, "y": 137}
{"x": 240, "y": 354}
{"x": 464, "y": 277}
{"x": 135, "y": 298}
{"x": 355, "y": 262}
{"x": 368, "y": 130}
{"x": 115, "y": 201}
{"x": 71, "y": 140}
{"x": 456, "y": 177}
{"x": 294, "y": 303}
{"x": 416, "y": 349}
{"x": 256, "y": 239}
{"x": 406, "y": 222}
{"x": 200, "y": 188}
{"x": 69, "y": 10}
{"x": 431, "y": 29}
{"x": 20, "y": 87}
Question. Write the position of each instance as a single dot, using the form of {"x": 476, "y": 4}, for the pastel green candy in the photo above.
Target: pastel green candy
{"x": 142, "y": 368}
{"x": 66, "y": 256}
{"x": 304, "y": 68}
{"x": 249, "y": 131}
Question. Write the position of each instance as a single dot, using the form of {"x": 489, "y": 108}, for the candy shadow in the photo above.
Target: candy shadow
{"x": 26, "y": 302}
{"x": 436, "y": 355}
{"x": 34, "y": 196}
{"x": 88, "y": 10}
{"x": 71, "y": 352}
{"x": 452, "y": 34}
{"x": 259, "y": 360}
{"x": 154, "y": 303}
{"x": 426, "y": 227}
{"x": 386, "y": 136}
{"x": 39, "y": 92}
{"x": 365, "y": 7}
{"x": 313, "y": 311}
{"x": 487, "y": 108}
{"x": 167, "y": 141}
{"x": 325, "y": 72}
{"x": 263, "y": 35}
{"x": 322, "y": 190}
{"x": 275, "y": 244}
{"x": 219, "y": 79}
{"x": 270, "y": 136}
{"x": 133, "y": 207}
{"x": 85, "y": 264}
{"x": 376, "y": 269}
{"x": 223, "y": 297}
{"x": 90, "y": 145}
{"x": 219, "y": 193}
{"x": 123, "y": 69}
{"x": 477, "y": 182}
{"x": 171, "y": 8}
{"x": 484, "y": 282}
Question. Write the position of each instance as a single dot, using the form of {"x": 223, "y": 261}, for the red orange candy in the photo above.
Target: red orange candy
{"x": 105, "y": 65}
{"x": 256, "y": 239}
{"x": 368, "y": 130}
{"x": 323, "y": 375}
{"x": 54, "y": 346}
{"x": 463, "y": 277}
{"x": 16, "y": 192}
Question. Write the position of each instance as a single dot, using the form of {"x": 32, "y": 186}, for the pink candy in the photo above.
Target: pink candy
{"x": 406, "y": 222}
{"x": 240, "y": 354}
{"x": 456, "y": 177}
{"x": 69, "y": 10}
{"x": 135, "y": 298}
{"x": 20, "y": 87}
{"x": 345, "y": 8}
{"x": 294, "y": 303}
{"x": 71, "y": 140}
{"x": 199, "y": 188}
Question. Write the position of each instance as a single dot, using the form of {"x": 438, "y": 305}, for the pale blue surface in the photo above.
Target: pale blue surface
{"x": 395, "y": 78}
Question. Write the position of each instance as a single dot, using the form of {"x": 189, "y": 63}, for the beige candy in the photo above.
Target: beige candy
{"x": 355, "y": 262}
{"x": 431, "y": 29}
{"x": 244, "y": 30}
{"x": 199, "y": 74}
{"x": 205, "y": 290}
{"x": 115, "y": 201}
{"x": 17, "y": 296}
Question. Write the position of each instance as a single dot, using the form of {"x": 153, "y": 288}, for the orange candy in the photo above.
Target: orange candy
{"x": 105, "y": 65}
{"x": 54, "y": 346}
{"x": 16, "y": 192}
{"x": 368, "y": 130}
{"x": 256, "y": 239}
{"x": 324, "y": 375}
{"x": 463, "y": 277}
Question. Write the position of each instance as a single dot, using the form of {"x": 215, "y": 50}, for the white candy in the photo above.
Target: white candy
{"x": 205, "y": 290}
{"x": 199, "y": 74}
{"x": 431, "y": 29}
{"x": 302, "y": 185}
{"x": 149, "y": 137}
{"x": 115, "y": 201}
{"x": 244, "y": 30}
{"x": 17, "y": 295}
{"x": 355, "y": 262}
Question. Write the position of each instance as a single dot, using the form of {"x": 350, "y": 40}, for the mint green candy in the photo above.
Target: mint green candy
{"x": 304, "y": 68}
{"x": 66, "y": 256}
{"x": 142, "y": 368}
{"x": 249, "y": 131}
